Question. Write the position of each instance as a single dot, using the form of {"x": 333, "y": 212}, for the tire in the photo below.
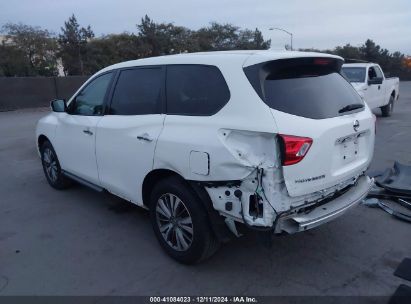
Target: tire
{"x": 387, "y": 109}
{"x": 185, "y": 233}
{"x": 51, "y": 167}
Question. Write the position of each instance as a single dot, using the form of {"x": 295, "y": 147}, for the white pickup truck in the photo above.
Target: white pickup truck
{"x": 369, "y": 81}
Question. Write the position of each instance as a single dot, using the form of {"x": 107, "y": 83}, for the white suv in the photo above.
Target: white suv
{"x": 213, "y": 142}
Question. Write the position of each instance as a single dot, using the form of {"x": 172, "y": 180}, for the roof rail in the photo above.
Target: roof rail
{"x": 351, "y": 60}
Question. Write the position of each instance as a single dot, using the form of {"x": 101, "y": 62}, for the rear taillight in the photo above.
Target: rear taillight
{"x": 295, "y": 148}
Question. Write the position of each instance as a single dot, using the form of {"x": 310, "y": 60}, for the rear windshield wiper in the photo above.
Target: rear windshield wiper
{"x": 351, "y": 107}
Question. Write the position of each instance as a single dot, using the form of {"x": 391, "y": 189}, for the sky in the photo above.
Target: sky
{"x": 317, "y": 24}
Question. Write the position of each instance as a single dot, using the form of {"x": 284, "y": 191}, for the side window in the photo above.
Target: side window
{"x": 137, "y": 92}
{"x": 378, "y": 72}
{"x": 195, "y": 90}
{"x": 371, "y": 73}
{"x": 91, "y": 99}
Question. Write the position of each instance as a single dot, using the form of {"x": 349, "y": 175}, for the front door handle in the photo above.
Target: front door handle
{"x": 88, "y": 132}
{"x": 145, "y": 137}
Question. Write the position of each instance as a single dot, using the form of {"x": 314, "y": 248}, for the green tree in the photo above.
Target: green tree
{"x": 152, "y": 35}
{"x": 13, "y": 62}
{"x": 218, "y": 37}
{"x": 38, "y": 46}
{"x": 221, "y": 37}
{"x": 111, "y": 49}
{"x": 164, "y": 38}
{"x": 252, "y": 40}
{"x": 167, "y": 38}
{"x": 180, "y": 40}
{"x": 349, "y": 52}
{"x": 73, "y": 46}
{"x": 370, "y": 51}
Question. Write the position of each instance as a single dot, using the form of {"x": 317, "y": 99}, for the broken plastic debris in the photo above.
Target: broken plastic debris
{"x": 388, "y": 207}
{"x": 397, "y": 213}
{"x": 396, "y": 179}
{"x": 394, "y": 186}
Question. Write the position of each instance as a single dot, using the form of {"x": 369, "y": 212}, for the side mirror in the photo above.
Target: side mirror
{"x": 375, "y": 80}
{"x": 59, "y": 105}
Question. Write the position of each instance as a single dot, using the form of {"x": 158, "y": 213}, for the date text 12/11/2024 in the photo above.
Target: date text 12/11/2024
{"x": 204, "y": 299}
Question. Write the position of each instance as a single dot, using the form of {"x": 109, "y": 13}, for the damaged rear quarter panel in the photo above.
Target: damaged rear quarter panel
{"x": 236, "y": 145}
{"x": 183, "y": 134}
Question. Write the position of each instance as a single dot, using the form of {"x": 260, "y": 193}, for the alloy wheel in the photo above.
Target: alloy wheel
{"x": 50, "y": 164}
{"x": 175, "y": 222}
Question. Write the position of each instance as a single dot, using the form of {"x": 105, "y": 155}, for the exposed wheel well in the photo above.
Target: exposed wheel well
{"x": 41, "y": 140}
{"x": 393, "y": 94}
{"x": 151, "y": 179}
{"x": 217, "y": 222}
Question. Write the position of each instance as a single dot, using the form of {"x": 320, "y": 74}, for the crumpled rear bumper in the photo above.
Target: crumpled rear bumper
{"x": 324, "y": 213}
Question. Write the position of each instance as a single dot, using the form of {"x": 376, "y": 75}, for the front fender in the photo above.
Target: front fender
{"x": 46, "y": 126}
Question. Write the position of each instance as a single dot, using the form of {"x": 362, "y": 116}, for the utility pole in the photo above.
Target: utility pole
{"x": 283, "y": 30}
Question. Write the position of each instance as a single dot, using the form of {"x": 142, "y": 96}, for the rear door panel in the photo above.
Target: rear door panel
{"x": 125, "y": 148}
{"x": 127, "y": 136}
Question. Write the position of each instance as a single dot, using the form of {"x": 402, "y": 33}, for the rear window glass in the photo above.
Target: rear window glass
{"x": 307, "y": 87}
{"x": 354, "y": 74}
{"x": 195, "y": 90}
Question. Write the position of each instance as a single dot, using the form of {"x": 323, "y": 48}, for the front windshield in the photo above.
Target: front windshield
{"x": 354, "y": 74}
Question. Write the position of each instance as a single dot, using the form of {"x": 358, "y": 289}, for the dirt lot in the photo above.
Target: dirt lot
{"x": 79, "y": 242}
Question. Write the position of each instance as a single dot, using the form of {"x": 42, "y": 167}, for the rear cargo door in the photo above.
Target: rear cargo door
{"x": 310, "y": 99}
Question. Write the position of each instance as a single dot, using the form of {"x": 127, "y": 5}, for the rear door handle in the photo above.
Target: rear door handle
{"x": 145, "y": 137}
{"x": 88, "y": 132}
